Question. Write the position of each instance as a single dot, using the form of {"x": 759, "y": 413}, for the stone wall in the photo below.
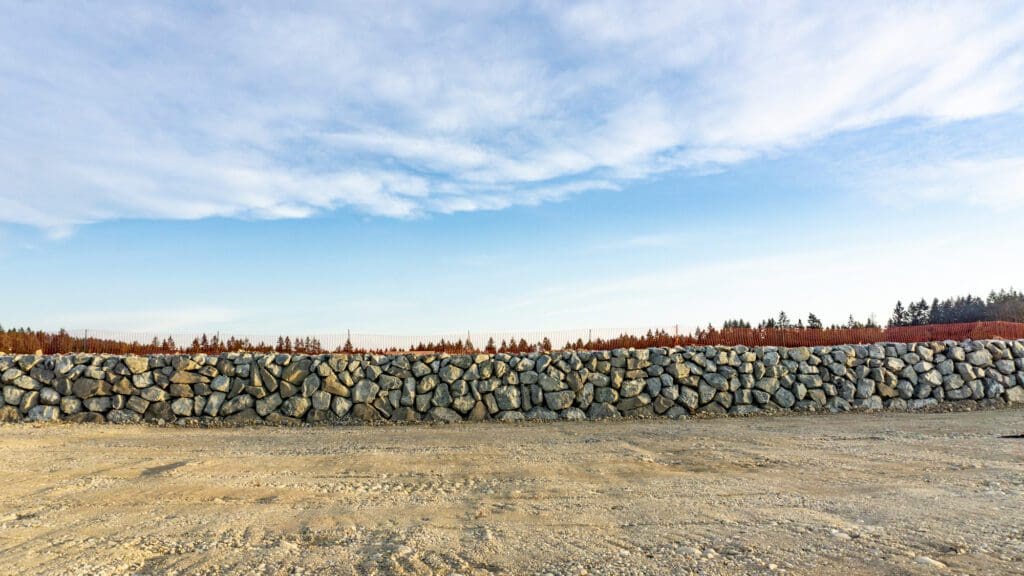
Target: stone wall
{"x": 669, "y": 382}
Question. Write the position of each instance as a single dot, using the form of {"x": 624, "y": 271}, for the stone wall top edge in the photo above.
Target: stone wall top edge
{"x": 614, "y": 351}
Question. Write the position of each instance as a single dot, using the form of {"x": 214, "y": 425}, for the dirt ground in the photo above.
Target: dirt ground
{"x": 847, "y": 494}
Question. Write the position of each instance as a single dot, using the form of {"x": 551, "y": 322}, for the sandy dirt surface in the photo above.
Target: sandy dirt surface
{"x": 847, "y": 494}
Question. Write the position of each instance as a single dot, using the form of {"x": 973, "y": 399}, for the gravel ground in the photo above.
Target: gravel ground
{"x": 846, "y": 494}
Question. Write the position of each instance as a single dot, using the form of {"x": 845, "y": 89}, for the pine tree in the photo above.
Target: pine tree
{"x": 918, "y": 313}
{"x": 813, "y": 322}
{"x": 899, "y": 317}
{"x": 935, "y": 313}
{"x": 783, "y": 320}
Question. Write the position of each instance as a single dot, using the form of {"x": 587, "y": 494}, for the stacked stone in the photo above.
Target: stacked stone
{"x": 572, "y": 385}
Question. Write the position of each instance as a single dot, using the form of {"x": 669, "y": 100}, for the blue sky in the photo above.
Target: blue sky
{"x": 437, "y": 167}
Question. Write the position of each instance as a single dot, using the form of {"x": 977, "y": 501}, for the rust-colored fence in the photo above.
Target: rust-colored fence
{"x": 120, "y": 342}
{"x": 837, "y": 336}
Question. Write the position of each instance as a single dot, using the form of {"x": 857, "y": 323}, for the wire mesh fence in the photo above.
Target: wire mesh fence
{"x": 126, "y": 342}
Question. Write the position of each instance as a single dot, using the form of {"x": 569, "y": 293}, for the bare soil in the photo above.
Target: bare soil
{"x": 847, "y": 494}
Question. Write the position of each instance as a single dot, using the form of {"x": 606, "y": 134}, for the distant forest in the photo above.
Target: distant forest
{"x": 917, "y": 321}
{"x": 1001, "y": 306}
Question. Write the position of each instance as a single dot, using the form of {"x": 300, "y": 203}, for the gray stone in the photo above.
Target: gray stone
{"x": 442, "y": 397}
{"x": 365, "y": 391}
{"x": 932, "y": 378}
{"x": 837, "y": 404}
{"x": 159, "y": 412}
{"x": 538, "y": 413}
{"x": 296, "y": 406}
{"x": 798, "y": 355}
{"x": 70, "y": 405}
{"x": 321, "y": 400}
{"x": 154, "y": 394}
{"x": 606, "y": 395}
{"x": 237, "y": 404}
{"x": 559, "y": 400}
{"x": 427, "y": 383}
{"x": 869, "y": 404}
{"x": 405, "y": 414}
{"x": 744, "y": 410}
{"x": 784, "y": 398}
{"x": 602, "y": 410}
{"x": 573, "y": 414}
{"x": 507, "y": 397}
{"x": 123, "y": 417}
{"x": 97, "y": 404}
{"x": 182, "y": 407}
{"x": 135, "y": 364}
{"x": 450, "y": 373}
{"x": 49, "y": 397}
{"x": 213, "y": 403}
{"x": 463, "y": 404}
{"x": 26, "y": 383}
{"x": 268, "y": 404}
{"x": 706, "y": 393}
{"x": 366, "y": 413}
{"x": 137, "y": 404}
{"x": 182, "y": 377}
{"x": 87, "y": 388}
{"x": 142, "y": 380}
{"x": 980, "y": 358}
{"x": 631, "y": 388}
{"x": 687, "y": 398}
{"x": 865, "y": 389}
{"x": 442, "y": 414}
{"x": 296, "y": 372}
{"x": 921, "y": 403}
{"x": 340, "y": 405}
{"x": 510, "y": 416}
{"x": 716, "y": 381}
{"x": 43, "y": 414}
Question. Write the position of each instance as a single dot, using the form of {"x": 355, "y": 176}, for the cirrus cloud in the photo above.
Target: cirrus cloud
{"x": 252, "y": 110}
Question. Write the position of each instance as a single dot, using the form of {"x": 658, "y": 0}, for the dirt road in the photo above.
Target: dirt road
{"x": 848, "y": 494}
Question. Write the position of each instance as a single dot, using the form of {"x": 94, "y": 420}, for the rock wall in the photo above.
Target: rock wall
{"x": 573, "y": 385}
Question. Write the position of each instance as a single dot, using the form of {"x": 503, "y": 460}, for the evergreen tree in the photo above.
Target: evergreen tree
{"x": 783, "y": 321}
{"x": 813, "y": 322}
{"x": 899, "y": 316}
{"x": 918, "y": 313}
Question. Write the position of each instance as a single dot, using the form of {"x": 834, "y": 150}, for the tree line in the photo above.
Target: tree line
{"x": 1001, "y": 306}
{"x": 998, "y": 306}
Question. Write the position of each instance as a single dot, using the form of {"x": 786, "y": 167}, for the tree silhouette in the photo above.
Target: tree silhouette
{"x": 813, "y": 323}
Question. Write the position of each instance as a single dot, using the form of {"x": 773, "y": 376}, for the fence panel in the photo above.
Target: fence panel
{"x": 125, "y": 342}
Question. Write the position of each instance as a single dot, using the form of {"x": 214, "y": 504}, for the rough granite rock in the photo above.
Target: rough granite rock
{"x": 665, "y": 382}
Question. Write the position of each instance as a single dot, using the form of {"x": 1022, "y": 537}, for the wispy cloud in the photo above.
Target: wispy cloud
{"x": 996, "y": 182}
{"x": 260, "y": 111}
